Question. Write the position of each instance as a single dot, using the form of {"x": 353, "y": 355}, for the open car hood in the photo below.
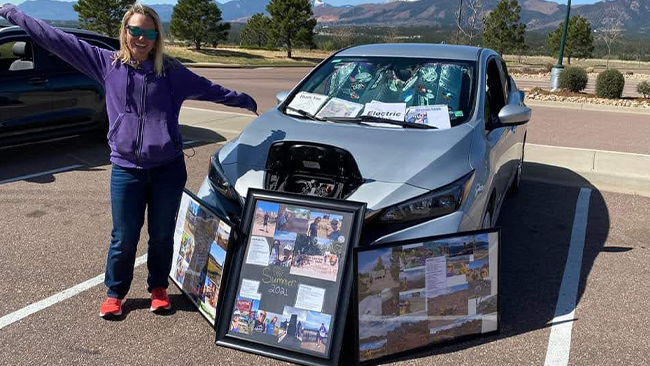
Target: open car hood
{"x": 422, "y": 158}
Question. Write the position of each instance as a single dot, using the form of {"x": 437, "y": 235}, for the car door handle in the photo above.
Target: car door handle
{"x": 37, "y": 80}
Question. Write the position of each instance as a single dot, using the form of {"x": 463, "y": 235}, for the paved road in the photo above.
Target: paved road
{"x": 628, "y": 91}
{"x": 549, "y": 126}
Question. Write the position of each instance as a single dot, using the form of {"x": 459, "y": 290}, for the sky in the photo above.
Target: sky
{"x": 331, "y": 2}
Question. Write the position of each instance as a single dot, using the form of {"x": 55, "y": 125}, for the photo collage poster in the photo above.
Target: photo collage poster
{"x": 425, "y": 293}
{"x": 200, "y": 246}
{"x": 291, "y": 276}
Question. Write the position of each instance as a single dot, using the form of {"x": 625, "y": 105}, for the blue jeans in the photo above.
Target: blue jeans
{"x": 159, "y": 190}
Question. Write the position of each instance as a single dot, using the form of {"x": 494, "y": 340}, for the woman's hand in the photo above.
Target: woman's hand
{"x": 253, "y": 105}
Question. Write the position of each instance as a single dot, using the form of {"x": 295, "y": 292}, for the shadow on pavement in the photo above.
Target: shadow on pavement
{"x": 79, "y": 153}
{"x": 536, "y": 226}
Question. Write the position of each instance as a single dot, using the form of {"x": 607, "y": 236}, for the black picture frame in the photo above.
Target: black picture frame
{"x": 426, "y": 347}
{"x": 231, "y": 242}
{"x": 225, "y": 337}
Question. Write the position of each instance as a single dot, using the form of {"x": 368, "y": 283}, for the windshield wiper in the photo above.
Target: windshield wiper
{"x": 378, "y": 120}
{"x": 304, "y": 114}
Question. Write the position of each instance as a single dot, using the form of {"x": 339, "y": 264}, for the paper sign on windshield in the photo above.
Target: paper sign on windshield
{"x": 420, "y": 115}
{"x": 392, "y": 111}
{"x": 340, "y": 108}
{"x": 308, "y": 102}
{"x": 438, "y": 116}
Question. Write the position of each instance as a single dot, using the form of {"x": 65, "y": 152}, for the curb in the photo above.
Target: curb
{"x": 210, "y": 65}
{"x": 587, "y": 106}
{"x": 607, "y": 170}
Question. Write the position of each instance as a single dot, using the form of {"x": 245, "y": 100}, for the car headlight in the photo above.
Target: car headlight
{"x": 440, "y": 202}
{"x": 219, "y": 180}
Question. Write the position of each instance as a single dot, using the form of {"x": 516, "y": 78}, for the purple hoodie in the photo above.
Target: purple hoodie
{"x": 142, "y": 107}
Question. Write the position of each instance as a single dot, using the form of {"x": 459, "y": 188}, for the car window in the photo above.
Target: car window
{"x": 354, "y": 83}
{"x": 505, "y": 79}
{"x": 494, "y": 91}
{"x": 16, "y": 55}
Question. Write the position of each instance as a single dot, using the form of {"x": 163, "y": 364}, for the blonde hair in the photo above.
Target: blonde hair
{"x": 124, "y": 54}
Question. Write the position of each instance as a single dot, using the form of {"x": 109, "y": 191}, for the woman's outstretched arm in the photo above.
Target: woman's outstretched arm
{"x": 189, "y": 85}
{"x": 92, "y": 61}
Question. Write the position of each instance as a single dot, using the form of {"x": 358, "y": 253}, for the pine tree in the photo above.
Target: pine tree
{"x": 102, "y": 16}
{"x": 198, "y": 21}
{"x": 579, "y": 39}
{"x": 257, "y": 31}
{"x": 292, "y": 22}
{"x": 503, "y": 31}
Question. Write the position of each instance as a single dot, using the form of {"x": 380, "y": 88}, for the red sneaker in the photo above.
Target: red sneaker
{"x": 111, "y": 307}
{"x": 159, "y": 300}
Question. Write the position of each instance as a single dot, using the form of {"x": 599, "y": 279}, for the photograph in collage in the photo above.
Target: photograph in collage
{"x": 184, "y": 257}
{"x": 316, "y": 257}
{"x": 282, "y": 250}
{"x": 410, "y": 280}
{"x": 411, "y": 331}
{"x": 293, "y": 219}
{"x": 412, "y": 302}
{"x": 292, "y": 327}
{"x": 378, "y": 270}
{"x": 244, "y": 314}
{"x": 316, "y": 333}
{"x": 486, "y": 304}
{"x": 265, "y": 219}
{"x": 413, "y": 256}
{"x": 214, "y": 272}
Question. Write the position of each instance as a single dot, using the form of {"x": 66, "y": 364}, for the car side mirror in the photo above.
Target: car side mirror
{"x": 281, "y": 96}
{"x": 514, "y": 115}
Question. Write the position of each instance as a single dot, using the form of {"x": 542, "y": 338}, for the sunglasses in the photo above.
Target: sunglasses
{"x": 137, "y": 32}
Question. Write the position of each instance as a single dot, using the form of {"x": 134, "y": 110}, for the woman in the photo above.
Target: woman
{"x": 144, "y": 93}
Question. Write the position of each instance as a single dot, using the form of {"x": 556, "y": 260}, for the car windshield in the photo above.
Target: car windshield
{"x": 405, "y": 91}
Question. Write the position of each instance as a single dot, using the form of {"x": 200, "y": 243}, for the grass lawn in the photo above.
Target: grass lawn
{"x": 242, "y": 56}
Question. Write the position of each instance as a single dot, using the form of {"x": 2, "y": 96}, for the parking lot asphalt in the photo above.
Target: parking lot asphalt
{"x": 55, "y": 235}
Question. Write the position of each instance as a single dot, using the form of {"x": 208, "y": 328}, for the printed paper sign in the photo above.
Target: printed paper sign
{"x": 258, "y": 252}
{"x": 436, "y": 275}
{"x": 250, "y": 289}
{"x": 438, "y": 117}
{"x": 308, "y": 102}
{"x": 392, "y": 111}
{"x": 340, "y": 108}
{"x": 310, "y": 298}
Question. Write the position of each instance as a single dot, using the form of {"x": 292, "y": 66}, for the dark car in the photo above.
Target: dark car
{"x": 42, "y": 96}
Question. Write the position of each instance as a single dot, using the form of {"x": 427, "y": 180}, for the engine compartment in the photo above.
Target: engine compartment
{"x": 312, "y": 170}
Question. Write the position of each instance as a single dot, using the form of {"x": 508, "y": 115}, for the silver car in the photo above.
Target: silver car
{"x": 430, "y": 136}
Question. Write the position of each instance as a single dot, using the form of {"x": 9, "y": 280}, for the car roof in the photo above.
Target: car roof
{"x": 425, "y": 50}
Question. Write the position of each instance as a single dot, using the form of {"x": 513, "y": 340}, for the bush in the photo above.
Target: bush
{"x": 644, "y": 89}
{"x": 589, "y": 70}
{"x": 610, "y": 84}
{"x": 573, "y": 79}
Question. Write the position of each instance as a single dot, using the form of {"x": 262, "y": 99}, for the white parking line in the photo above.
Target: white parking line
{"x": 40, "y": 174}
{"x": 56, "y": 298}
{"x": 559, "y": 342}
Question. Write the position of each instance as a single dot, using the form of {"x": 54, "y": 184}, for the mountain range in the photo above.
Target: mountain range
{"x": 634, "y": 15}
